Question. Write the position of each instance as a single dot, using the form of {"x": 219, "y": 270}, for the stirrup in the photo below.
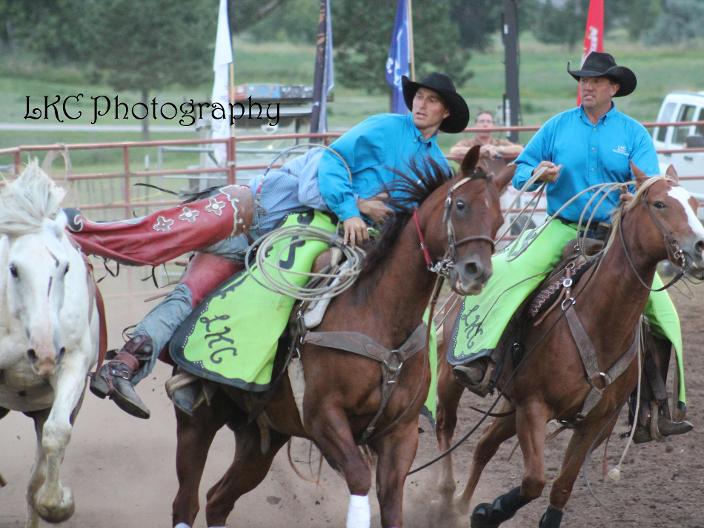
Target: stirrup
{"x": 483, "y": 387}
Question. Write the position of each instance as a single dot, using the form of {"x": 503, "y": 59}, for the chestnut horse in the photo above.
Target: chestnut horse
{"x": 549, "y": 383}
{"x": 458, "y": 218}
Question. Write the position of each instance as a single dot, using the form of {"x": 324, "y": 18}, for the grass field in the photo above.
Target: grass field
{"x": 546, "y": 89}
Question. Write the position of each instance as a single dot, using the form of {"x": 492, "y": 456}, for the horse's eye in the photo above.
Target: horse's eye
{"x": 460, "y": 205}
{"x": 659, "y": 205}
{"x": 13, "y": 270}
{"x": 66, "y": 270}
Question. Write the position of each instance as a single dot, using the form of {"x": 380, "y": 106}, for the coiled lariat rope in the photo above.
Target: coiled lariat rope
{"x": 597, "y": 189}
{"x": 273, "y": 276}
{"x": 278, "y": 279}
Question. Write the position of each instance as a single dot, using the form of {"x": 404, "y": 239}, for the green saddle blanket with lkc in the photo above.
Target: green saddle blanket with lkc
{"x": 232, "y": 336}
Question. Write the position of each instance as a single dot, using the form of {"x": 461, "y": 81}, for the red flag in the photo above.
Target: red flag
{"x": 593, "y": 34}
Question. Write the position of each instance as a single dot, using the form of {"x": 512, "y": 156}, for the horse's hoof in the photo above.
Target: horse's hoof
{"x": 480, "y": 516}
{"x": 55, "y": 510}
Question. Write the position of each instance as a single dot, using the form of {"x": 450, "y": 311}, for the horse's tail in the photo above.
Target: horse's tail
{"x": 314, "y": 479}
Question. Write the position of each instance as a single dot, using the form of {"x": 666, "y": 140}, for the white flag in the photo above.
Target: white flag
{"x": 221, "y": 67}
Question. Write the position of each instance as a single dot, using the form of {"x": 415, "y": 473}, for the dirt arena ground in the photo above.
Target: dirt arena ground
{"x": 122, "y": 471}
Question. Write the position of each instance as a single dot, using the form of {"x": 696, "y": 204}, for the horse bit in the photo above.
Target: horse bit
{"x": 443, "y": 266}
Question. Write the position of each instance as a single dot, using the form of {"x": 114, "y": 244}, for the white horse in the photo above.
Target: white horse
{"x": 49, "y": 330}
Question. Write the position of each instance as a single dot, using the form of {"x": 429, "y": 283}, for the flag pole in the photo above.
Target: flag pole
{"x": 232, "y": 154}
{"x": 319, "y": 88}
{"x": 411, "y": 52}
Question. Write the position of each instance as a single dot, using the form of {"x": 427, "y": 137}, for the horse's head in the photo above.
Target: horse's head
{"x": 471, "y": 215}
{"x": 34, "y": 258}
{"x": 669, "y": 220}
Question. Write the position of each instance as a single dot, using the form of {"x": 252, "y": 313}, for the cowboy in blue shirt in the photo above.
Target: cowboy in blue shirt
{"x": 593, "y": 143}
{"x": 351, "y": 182}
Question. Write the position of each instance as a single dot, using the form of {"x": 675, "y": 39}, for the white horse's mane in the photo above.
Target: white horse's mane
{"x": 28, "y": 201}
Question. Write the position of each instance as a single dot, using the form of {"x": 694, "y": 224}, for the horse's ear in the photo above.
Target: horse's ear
{"x": 504, "y": 177}
{"x": 470, "y": 160}
{"x": 639, "y": 174}
{"x": 672, "y": 174}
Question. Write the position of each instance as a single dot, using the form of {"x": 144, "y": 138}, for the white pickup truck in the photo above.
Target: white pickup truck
{"x": 683, "y": 106}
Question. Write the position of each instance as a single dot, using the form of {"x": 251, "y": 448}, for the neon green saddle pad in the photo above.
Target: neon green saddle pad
{"x": 232, "y": 336}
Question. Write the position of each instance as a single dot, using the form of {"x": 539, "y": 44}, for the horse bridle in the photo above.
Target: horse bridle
{"x": 443, "y": 266}
{"x": 674, "y": 252}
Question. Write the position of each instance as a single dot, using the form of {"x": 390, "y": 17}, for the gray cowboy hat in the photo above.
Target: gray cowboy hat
{"x": 443, "y": 85}
{"x": 599, "y": 64}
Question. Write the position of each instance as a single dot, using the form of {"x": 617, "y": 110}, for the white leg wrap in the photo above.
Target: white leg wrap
{"x": 359, "y": 514}
{"x": 182, "y": 525}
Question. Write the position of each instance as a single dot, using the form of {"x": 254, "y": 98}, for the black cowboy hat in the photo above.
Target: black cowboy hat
{"x": 599, "y": 64}
{"x": 443, "y": 85}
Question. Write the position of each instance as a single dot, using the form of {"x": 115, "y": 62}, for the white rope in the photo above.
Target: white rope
{"x": 615, "y": 472}
{"x": 534, "y": 200}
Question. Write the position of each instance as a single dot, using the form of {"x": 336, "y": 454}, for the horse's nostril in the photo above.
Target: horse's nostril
{"x": 61, "y": 353}
{"x": 699, "y": 246}
{"x": 32, "y": 355}
{"x": 471, "y": 268}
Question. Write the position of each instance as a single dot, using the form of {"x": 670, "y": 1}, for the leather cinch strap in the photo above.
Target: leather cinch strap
{"x": 363, "y": 345}
{"x": 588, "y": 354}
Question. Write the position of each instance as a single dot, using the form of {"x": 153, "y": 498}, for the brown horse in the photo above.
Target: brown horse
{"x": 457, "y": 217}
{"x": 550, "y": 383}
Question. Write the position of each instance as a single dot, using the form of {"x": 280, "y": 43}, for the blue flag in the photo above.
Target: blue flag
{"x": 397, "y": 63}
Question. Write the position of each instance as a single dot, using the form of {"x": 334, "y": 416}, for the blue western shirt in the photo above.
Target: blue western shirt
{"x": 589, "y": 154}
{"x": 372, "y": 149}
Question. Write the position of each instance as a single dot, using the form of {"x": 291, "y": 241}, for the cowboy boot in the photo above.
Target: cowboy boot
{"x": 114, "y": 377}
{"x": 666, "y": 425}
{"x": 661, "y": 351}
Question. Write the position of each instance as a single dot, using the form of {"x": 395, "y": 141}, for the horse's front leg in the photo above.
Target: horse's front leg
{"x": 194, "y": 436}
{"x": 38, "y": 470}
{"x": 449, "y": 394}
{"x": 500, "y": 430}
{"x": 531, "y": 418}
{"x": 396, "y": 451}
{"x": 53, "y": 500}
{"x": 584, "y": 440}
{"x": 329, "y": 428}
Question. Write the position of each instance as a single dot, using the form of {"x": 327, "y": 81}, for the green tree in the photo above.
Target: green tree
{"x": 681, "y": 21}
{"x": 479, "y": 20}
{"x": 636, "y": 16}
{"x": 560, "y": 21}
{"x": 293, "y": 21}
{"x": 146, "y": 46}
{"x": 362, "y": 32}
{"x": 244, "y": 14}
{"x": 47, "y": 29}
